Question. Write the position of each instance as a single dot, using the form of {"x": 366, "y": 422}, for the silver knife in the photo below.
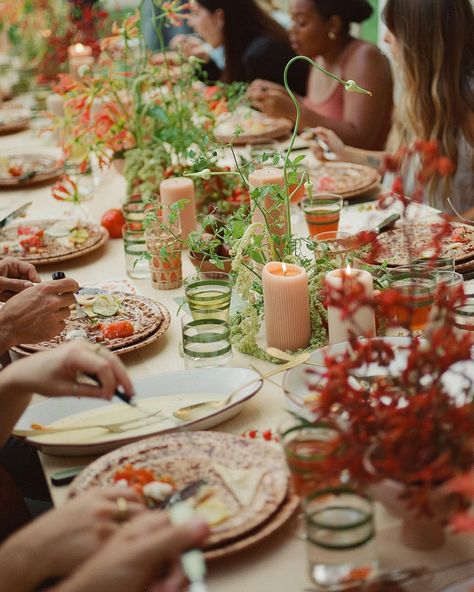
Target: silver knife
{"x": 18, "y": 212}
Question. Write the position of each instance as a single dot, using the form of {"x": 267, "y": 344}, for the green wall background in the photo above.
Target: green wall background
{"x": 370, "y": 28}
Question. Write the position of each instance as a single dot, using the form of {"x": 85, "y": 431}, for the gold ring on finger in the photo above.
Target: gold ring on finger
{"x": 122, "y": 507}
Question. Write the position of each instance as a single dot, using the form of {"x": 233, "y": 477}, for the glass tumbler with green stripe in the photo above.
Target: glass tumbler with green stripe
{"x": 340, "y": 538}
{"x": 322, "y": 212}
{"x": 206, "y": 341}
{"x": 208, "y": 295}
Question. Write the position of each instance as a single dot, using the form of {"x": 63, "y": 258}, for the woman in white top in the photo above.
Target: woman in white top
{"x": 432, "y": 42}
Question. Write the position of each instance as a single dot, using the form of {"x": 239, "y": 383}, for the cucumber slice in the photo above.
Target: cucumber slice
{"x": 105, "y": 306}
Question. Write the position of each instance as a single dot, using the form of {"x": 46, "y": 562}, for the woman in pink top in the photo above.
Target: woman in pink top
{"x": 321, "y": 31}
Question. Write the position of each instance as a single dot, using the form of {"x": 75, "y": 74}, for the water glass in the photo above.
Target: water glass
{"x": 322, "y": 212}
{"x": 208, "y": 294}
{"x": 308, "y": 448}
{"x": 340, "y": 538}
{"x": 464, "y": 317}
{"x": 416, "y": 287}
{"x": 206, "y": 341}
{"x": 134, "y": 213}
{"x": 136, "y": 262}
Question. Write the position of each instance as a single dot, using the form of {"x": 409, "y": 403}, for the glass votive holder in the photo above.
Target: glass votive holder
{"x": 164, "y": 249}
{"x": 416, "y": 287}
{"x": 209, "y": 293}
{"x": 308, "y": 448}
{"x": 136, "y": 261}
{"x": 340, "y": 532}
{"x": 206, "y": 341}
{"x": 336, "y": 246}
{"x": 322, "y": 212}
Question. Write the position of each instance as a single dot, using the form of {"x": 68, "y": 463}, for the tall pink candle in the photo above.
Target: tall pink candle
{"x": 286, "y": 304}
{"x": 175, "y": 189}
{"x": 275, "y": 209}
{"x": 362, "y": 323}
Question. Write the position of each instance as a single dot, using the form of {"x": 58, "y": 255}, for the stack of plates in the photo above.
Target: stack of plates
{"x": 350, "y": 181}
{"x": 248, "y": 479}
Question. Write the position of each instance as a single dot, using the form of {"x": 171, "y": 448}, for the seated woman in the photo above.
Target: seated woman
{"x": 255, "y": 45}
{"x": 437, "y": 98}
{"x": 320, "y": 31}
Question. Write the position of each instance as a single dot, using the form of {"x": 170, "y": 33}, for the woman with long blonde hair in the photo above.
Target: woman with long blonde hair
{"x": 432, "y": 42}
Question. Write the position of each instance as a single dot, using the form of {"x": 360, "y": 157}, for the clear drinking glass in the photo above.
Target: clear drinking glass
{"x": 209, "y": 293}
{"x": 416, "y": 286}
{"x": 439, "y": 263}
{"x": 134, "y": 245}
{"x": 464, "y": 316}
{"x": 206, "y": 341}
{"x": 134, "y": 213}
{"x": 307, "y": 449}
{"x": 322, "y": 212}
{"x": 339, "y": 532}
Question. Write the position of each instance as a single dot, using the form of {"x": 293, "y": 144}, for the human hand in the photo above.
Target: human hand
{"x": 272, "y": 99}
{"x": 54, "y": 373}
{"x": 331, "y": 139}
{"x": 37, "y": 313}
{"x": 58, "y": 542}
{"x": 143, "y": 555}
{"x": 16, "y": 276}
{"x": 189, "y": 45}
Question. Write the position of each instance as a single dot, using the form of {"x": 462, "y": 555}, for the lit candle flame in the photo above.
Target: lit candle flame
{"x": 284, "y": 268}
{"x": 79, "y": 48}
{"x": 348, "y": 270}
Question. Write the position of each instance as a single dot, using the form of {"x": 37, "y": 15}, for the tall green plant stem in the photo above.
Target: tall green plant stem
{"x": 349, "y": 85}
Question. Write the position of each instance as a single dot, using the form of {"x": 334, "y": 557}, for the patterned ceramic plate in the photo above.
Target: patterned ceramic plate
{"x": 144, "y": 314}
{"x": 23, "y": 170}
{"x": 192, "y": 456}
{"x": 412, "y": 241}
{"x": 344, "y": 179}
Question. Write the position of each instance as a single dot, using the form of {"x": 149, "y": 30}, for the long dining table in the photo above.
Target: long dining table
{"x": 278, "y": 563}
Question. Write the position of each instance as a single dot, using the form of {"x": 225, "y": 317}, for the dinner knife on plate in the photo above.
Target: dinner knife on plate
{"x": 18, "y": 212}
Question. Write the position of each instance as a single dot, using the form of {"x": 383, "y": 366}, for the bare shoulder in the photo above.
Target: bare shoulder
{"x": 367, "y": 59}
{"x": 366, "y": 52}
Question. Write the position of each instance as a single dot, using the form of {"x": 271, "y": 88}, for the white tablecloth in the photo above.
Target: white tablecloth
{"x": 278, "y": 564}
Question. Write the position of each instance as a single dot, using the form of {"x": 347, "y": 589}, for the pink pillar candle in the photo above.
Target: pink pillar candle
{"x": 79, "y": 55}
{"x": 286, "y": 305}
{"x": 275, "y": 209}
{"x": 175, "y": 189}
{"x": 362, "y": 323}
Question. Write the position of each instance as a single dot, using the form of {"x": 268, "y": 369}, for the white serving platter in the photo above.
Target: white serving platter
{"x": 167, "y": 391}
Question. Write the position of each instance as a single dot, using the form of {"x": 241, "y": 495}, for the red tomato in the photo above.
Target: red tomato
{"x": 31, "y": 241}
{"x": 28, "y": 230}
{"x": 113, "y": 220}
{"x": 118, "y": 329}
